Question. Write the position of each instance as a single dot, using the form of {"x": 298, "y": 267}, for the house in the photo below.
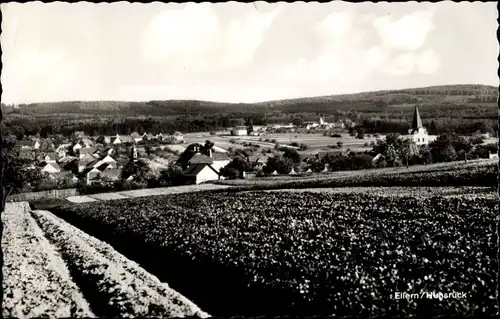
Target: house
{"x": 148, "y": 136}
{"x": 106, "y": 160}
{"x": 493, "y": 155}
{"x": 117, "y": 140}
{"x": 160, "y": 136}
{"x": 50, "y": 158}
{"x": 51, "y": 168}
{"x": 220, "y": 160}
{"x": 93, "y": 176}
{"x": 84, "y": 164}
{"x": 37, "y": 144}
{"x": 199, "y": 173}
{"x": 239, "y": 131}
{"x": 202, "y": 168}
{"x": 111, "y": 174}
{"x": 417, "y": 132}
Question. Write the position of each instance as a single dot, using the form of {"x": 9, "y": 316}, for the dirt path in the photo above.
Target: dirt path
{"x": 53, "y": 269}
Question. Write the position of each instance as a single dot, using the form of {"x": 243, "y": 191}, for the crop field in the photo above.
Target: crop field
{"x": 310, "y": 253}
{"x": 53, "y": 269}
{"x": 415, "y": 192}
{"x": 372, "y": 177}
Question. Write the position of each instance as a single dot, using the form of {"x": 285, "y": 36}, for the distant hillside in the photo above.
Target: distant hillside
{"x": 436, "y": 96}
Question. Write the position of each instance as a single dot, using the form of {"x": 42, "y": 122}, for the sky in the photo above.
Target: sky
{"x": 234, "y": 52}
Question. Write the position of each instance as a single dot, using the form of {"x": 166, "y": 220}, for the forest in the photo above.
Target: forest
{"x": 464, "y": 109}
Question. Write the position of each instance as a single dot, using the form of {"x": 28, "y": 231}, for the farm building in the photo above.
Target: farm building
{"x": 239, "y": 131}
{"x": 199, "y": 173}
{"x": 202, "y": 168}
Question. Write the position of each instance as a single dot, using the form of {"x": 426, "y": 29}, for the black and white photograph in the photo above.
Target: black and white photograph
{"x": 261, "y": 159}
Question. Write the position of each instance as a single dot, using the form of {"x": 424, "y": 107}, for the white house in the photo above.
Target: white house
{"x": 160, "y": 136}
{"x": 107, "y": 160}
{"x": 117, "y": 140}
{"x": 239, "y": 131}
{"x": 93, "y": 175}
{"x": 51, "y": 168}
{"x": 493, "y": 155}
{"x": 200, "y": 173}
{"x": 417, "y": 132}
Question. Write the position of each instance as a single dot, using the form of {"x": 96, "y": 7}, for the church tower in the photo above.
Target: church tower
{"x": 134, "y": 153}
{"x": 418, "y": 131}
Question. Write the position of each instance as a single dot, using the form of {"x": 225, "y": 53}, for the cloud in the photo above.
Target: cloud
{"x": 428, "y": 62}
{"x": 180, "y": 33}
{"x": 376, "y": 56}
{"x": 336, "y": 24}
{"x": 407, "y": 33}
{"x": 194, "y": 37}
{"x": 403, "y": 64}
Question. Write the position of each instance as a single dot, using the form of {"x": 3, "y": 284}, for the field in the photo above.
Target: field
{"x": 53, "y": 269}
{"x": 473, "y": 173}
{"x": 310, "y": 253}
{"x": 314, "y": 141}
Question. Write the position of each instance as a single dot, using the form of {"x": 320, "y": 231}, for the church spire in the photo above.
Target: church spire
{"x": 417, "y": 122}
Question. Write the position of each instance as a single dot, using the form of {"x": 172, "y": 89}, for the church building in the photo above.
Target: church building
{"x": 417, "y": 132}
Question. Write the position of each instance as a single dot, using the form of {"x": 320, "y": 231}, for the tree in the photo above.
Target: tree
{"x": 172, "y": 175}
{"x": 292, "y": 154}
{"x": 425, "y": 154}
{"x": 250, "y": 126}
{"x": 339, "y": 144}
{"x": 236, "y": 168}
{"x": 139, "y": 170}
{"x": 297, "y": 121}
{"x": 18, "y": 176}
{"x": 463, "y": 144}
{"x": 407, "y": 149}
{"x": 147, "y": 148}
{"x": 360, "y": 132}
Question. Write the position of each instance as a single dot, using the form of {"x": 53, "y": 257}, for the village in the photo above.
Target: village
{"x": 90, "y": 160}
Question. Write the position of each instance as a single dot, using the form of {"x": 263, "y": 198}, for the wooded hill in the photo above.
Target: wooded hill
{"x": 449, "y": 96}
